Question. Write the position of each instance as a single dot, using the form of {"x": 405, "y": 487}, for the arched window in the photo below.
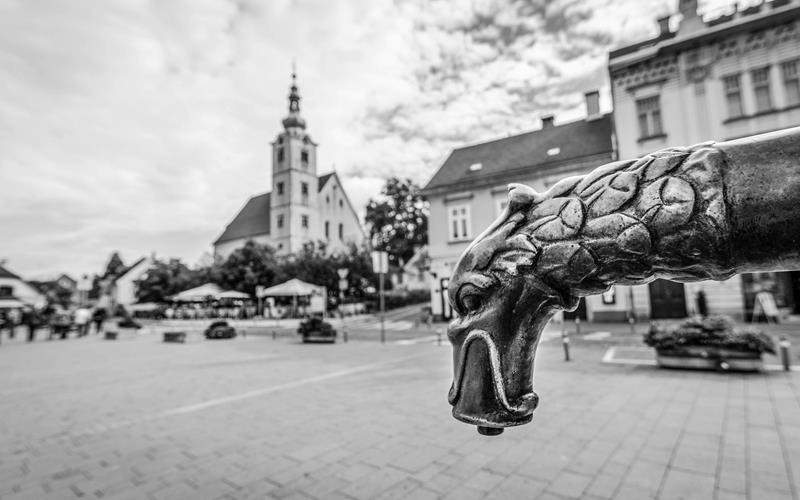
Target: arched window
{"x": 341, "y": 231}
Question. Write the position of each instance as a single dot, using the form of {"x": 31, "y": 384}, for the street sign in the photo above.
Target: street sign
{"x": 342, "y": 284}
{"x": 380, "y": 262}
{"x": 260, "y": 290}
{"x": 342, "y": 272}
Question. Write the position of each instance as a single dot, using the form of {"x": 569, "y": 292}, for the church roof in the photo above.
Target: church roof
{"x": 252, "y": 220}
{"x": 531, "y": 151}
{"x": 323, "y": 179}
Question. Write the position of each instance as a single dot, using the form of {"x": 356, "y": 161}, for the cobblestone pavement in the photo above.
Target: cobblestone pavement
{"x": 257, "y": 418}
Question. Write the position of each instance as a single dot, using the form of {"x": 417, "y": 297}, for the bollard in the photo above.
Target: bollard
{"x": 344, "y": 334}
{"x": 565, "y": 343}
{"x": 439, "y": 336}
{"x": 577, "y": 326}
{"x": 785, "y": 359}
{"x": 632, "y": 322}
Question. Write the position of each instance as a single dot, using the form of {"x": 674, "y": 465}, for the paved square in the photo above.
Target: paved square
{"x": 263, "y": 418}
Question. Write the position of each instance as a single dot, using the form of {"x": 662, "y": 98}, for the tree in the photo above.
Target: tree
{"x": 248, "y": 266}
{"x": 164, "y": 279}
{"x": 399, "y": 222}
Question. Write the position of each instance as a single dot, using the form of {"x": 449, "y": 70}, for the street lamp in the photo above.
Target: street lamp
{"x": 343, "y": 271}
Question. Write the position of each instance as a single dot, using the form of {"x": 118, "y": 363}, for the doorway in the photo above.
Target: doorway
{"x": 667, "y": 300}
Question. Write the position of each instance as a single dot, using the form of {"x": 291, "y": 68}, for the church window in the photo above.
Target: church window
{"x": 304, "y": 158}
{"x": 791, "y": 80}
{"x": 327, "y": 229}
{"x": 280, "y": 188}
{"x": 304, "y": 221}
{"x": 304, "y": 191}
{"x": 760, "y": 78}
{"x": 280, "y": 220}
{"x": 341, "y": 231}
{"x": 733, "y": 95}
{"x": 280, "y": 155}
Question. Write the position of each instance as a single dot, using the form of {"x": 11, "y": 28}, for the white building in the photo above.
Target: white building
{"x": 14, "y": 291}
{"x": 302, "y": 207}
{"x": 713, "y": 79}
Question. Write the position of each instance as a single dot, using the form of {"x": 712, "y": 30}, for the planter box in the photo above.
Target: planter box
{"x": 319, "y": 338}
{"x": 110, "y": 335}
{"x": 709, "y": 358}
{"x": 175, "y": 337}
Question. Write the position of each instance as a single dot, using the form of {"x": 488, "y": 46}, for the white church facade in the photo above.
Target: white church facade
{"x": 303, "y": 207}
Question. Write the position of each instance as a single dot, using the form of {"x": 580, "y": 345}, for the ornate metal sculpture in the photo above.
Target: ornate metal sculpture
{"x": 685, "y": 214}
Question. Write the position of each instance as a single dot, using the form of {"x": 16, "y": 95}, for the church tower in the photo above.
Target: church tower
{"x": 293, "y": 202}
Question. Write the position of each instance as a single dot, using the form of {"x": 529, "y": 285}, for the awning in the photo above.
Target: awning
{"x": 233, "y": 294}
{"x": 293, "y": 288}
{"x": 197, "y": 294}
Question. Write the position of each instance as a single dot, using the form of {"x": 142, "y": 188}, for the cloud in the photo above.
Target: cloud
{"x": 143, "y": 126}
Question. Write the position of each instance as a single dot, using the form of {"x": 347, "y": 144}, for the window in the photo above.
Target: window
{"x": 760, "y": 78}
{"x": 327, "y": 199}
{"x": 341, "y": 231}
{"x": 327, "y": 229}
{"x": 280, "y": 188}
{"x": 341, "y": 204}
{"x": 791, "y": 81}
{"x": 304, "y": 158}
{"x": 733, "y": 95}
{"x": 304, "y": 221}
{"x": 304, "y": 191}
{"x": 6, "y": 291}
{"x": 458, "y": 222}
{"x": 280, "y": 220}
{"x": 280, "y": 155}
{"x": 649, "y": 113}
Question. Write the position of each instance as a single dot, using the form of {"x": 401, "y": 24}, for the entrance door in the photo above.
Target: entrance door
{"x": 580, "y": 312}
{"x": 667, "y": 300}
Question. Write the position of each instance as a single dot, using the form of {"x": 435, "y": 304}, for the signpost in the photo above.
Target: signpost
{"x": 380, "y": 265}
{"x": 259, "y": 292}
{"x": 342, "y": 287}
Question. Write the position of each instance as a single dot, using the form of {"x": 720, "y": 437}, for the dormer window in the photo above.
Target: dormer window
{"x": 475, "y": 167}
{"x": 553, "y": 151}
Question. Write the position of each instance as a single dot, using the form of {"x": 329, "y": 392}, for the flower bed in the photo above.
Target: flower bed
{"x": 316, "y": 330}
{"x": 708, "y": 343}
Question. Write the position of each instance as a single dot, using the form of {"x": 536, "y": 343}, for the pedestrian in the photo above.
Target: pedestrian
{"x": 98, "y": 318}
{"x": 3, "y": 322}
{"x": 82, "y": 318}
{"x": 29, "y": 319}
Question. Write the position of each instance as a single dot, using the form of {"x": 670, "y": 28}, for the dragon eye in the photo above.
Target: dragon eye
{"x": 471, "y": 299}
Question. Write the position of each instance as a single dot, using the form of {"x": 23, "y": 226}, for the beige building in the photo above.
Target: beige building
{"x": 469, "y": 190}
{"x": 722, "y": 78}
{"x": 303, "y": 207}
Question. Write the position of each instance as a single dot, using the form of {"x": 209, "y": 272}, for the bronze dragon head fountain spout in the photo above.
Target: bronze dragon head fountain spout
{"x": 684, "y": 214}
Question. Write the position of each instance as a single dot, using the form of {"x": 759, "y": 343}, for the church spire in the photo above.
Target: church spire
{"x": 294, "y": 119}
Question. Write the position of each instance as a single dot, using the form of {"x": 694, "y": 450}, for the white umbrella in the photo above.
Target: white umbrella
{"x": 232, "y": 294}
{"x": 197, "y": 294}
{"x": 292, "y": 288}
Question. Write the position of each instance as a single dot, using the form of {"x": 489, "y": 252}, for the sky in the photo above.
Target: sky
{"x": 143, "y": 126}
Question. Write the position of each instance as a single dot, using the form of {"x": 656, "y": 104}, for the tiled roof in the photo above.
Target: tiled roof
{"x": 526, "y": 151}
{"x": 323, "y": 179}
{"x": 253, "y": 219}
{"x": 5, "y": 273}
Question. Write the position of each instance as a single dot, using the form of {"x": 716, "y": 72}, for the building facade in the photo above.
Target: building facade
{"x": 712, "y": 79}
{"x": 303, "y": 207}
{"x": 469, "y": 191}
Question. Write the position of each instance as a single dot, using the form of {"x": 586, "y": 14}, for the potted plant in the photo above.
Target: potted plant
{"x": 708, "y": 343}
{"x": 314, "y": 329}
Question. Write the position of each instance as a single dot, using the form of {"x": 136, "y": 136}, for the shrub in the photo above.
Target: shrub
{"x": 712, "y": 331}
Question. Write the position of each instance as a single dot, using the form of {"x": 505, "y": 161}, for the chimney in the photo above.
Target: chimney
{"x": 663, "y": 26}
{"x": 592, "y": 103}
{"x": 547, "y": 121}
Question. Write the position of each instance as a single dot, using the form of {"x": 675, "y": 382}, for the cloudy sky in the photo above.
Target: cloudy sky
{"x": 143, "y": 126}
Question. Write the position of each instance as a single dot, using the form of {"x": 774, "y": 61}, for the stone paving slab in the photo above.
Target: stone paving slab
{"x": 257, "y": 418}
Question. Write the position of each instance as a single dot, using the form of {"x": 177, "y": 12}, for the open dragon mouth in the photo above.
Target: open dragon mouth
{"x": 486, "y": 403}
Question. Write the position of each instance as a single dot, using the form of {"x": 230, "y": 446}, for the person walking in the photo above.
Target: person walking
{"x": 29, "y": 319}
{"x": 98, "y": 318}
{"x": 82, "y": 318}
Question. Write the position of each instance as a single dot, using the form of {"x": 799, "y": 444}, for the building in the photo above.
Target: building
{"x": 469, "y": 190}
{"x": 302, "y": 207}
{"x": 16, "y": 292}
{"x": 711, "y": 79}
{"x": 118, "y": 288}
{"x": 61, "y": 289}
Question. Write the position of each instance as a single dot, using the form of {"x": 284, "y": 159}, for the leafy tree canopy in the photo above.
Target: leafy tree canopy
{"x": 398, "y": 223}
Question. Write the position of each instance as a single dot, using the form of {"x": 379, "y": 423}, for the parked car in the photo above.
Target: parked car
{"x": 220, "y": 330}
